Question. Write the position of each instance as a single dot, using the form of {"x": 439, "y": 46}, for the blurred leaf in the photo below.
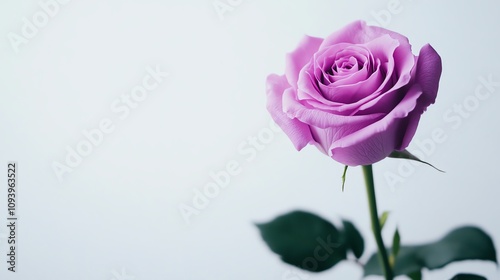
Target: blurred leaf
{"x": 464, "y": 276}
{"x": 304, "y": 240}
{"x": 465, "y": 243}
{"x": 353, "y": 239}
{"x": 415, "y": 275}
{"x": 383, "y": 219}
{"x": 396, "y": 240}
{"x": 407, "y": 155}
{"x": 343, "y": 176}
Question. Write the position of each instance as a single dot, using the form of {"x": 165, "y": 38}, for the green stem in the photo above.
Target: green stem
{"x": 372, "y": 204}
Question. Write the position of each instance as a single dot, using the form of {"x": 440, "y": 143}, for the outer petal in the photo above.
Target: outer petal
{"x": 427, "y": 74}
{"x": 297, "y": 131}
{"x": 376, "y": 141}
{"x": 359, "y": 33}
{"x": 373, "y": 147}
{"x": 300, "y": 57}
{"x": 319, "y": 118}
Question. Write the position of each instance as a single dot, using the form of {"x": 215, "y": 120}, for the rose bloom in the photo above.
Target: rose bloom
{"x": 356, "y": 95}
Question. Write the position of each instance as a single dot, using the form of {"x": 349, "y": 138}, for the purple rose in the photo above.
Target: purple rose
{"x": 357, "y": 95}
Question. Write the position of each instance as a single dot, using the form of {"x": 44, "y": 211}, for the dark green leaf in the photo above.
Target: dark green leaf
{"x": 353, "y": 239}
{"x": 304, "y": 240}
{"x": 383, "y": 219}
{"x": 465, "y": 243}
{"x": 464, "y": 276}
{"x": 407, "y": 262}
{"x": 407, "y": 155}
{"x": 415, "y": 275}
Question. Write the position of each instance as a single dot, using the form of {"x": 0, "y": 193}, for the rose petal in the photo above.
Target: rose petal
{"x": 314, "y": 117}
{"x": 324, "y": 137}
{"x": 373, "y": 148}
{"x": 376, "y": 141}
{"x": 300, "y": 57}
{"x": 428, "y": 72}
{"x": 359, "y": 33}
{"x": 297, "y": 131}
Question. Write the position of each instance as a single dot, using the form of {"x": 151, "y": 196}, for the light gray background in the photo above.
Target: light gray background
{"x": 116, "y": 215}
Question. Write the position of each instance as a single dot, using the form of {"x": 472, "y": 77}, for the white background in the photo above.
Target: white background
{"x": 116, "y": 215}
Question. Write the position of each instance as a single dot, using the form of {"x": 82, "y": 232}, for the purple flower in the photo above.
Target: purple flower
{"x": 357, "y": 95}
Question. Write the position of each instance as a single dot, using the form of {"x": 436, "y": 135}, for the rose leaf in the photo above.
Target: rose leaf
{"x": 464, "y": 243}
{"x": 304, "y": 240}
